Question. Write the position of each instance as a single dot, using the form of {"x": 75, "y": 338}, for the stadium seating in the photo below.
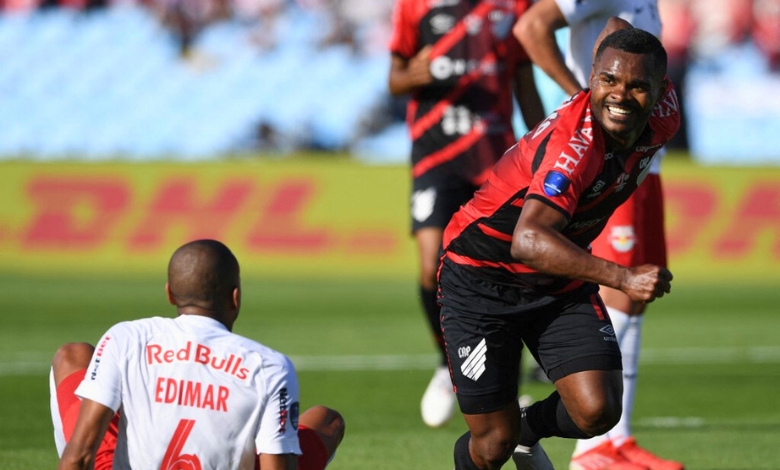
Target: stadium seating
{"x": 111, "y": 84}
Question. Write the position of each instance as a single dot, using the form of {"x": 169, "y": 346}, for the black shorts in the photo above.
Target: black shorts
{"x": 436, "y": 197}
{"x": 572, "y": 334}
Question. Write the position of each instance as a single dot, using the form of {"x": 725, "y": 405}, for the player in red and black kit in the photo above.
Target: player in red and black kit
{"x": 461, "y": 64}
{"x": 517, "y": 267}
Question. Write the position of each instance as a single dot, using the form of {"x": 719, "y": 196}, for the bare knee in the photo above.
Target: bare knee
{"x": 70, "y": 358}
{"x": 596, "y": 417}
{"x": 328, "y": 423}
{"x": 493, "y": 449}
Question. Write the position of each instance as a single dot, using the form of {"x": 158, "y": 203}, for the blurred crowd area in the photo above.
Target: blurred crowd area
{"x": 363, "y": 25}
{"x": 202, "y": 78}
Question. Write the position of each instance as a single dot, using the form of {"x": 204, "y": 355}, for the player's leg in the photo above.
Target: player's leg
{"x": 435, "y": 198}
{"x": 321, "y": 430}
{"x": 646, "y": 213}
{"x": 576, "y": 346}
{"x": 484, "y": 353}
{"x": 69, "y": 366}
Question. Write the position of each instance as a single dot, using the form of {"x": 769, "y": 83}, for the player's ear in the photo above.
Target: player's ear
{"x": 236, "y": 298}
{"x": 168, "y": 294}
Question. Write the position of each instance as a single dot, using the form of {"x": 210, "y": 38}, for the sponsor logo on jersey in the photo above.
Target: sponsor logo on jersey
{"x": 283, "y": 409}
{"x": 577, "y": 146}
{"x": 294, "y": 413}
{"x": 197, "y": 353}
{"x": 647, "y": 148}
{"x": 442, "y": 23}
{"x": 98, "y": 357}
{"x": 555, "y": 183}
{"x": 621, "y": 182}
{"x": 474, "y": 366}
{"x": 622, "y": 238}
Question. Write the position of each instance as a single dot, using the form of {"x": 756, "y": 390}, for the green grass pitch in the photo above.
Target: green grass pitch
{"x": 708, "y": 390}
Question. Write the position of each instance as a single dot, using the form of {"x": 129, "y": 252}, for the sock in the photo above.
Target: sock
{"x": 629, "y": 346}
{"x": 432, "y": 313}
{"x": 463, "y": 459}
{"x": 547, "y": 418}
{"x": 620, "y": 324}
{"x": 59, "y": 434}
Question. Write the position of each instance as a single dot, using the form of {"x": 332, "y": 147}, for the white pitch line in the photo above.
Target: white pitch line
{"x": 36, "y": 363}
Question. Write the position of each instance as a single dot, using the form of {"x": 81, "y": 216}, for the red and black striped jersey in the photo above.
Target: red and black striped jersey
{"x": 461, "y": 123}
{"x": 564, "y": 163}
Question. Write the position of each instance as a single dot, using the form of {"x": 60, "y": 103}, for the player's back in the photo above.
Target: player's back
{"x": 195, "y": 394}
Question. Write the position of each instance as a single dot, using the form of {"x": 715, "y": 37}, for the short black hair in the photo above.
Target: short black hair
{"x": 636, "y": 41}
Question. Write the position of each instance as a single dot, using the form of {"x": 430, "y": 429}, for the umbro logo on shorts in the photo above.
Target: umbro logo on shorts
{"x": 607, "y": 330}
{"x": 474, "y": 366}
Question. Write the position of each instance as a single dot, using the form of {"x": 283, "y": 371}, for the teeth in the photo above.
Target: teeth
{"x": 621, "y": 111}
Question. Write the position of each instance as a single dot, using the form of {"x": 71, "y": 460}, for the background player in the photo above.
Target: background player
{"x": 191, "y": 393}
{"x": 517, "y": 271}
{"x": 635, "y": 233}
{"x": 461, "y": 64}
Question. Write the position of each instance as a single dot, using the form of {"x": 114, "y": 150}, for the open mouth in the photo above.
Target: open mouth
{"x": 619, "y": 111}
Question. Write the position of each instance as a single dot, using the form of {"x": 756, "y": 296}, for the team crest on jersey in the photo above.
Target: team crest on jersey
{"x": 555, "y": 183}
{"x": 294, "y": 413}
{"x": 622, "y": 238}
{"x": 502, "y": 24}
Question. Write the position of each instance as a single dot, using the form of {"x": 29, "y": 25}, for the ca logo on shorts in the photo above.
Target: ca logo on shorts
{"x": 474, "y": 366}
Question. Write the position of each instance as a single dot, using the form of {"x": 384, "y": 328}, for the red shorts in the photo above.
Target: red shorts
{"x": 314, "y": 457}
{"x": 634, "y": 234}
{"x": 69, "y": 405}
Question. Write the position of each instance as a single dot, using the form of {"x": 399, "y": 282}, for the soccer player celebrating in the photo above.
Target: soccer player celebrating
{"x": 517, "y": 269}
{"x": 634, "y": 234}
{"x": 186, "y": 392}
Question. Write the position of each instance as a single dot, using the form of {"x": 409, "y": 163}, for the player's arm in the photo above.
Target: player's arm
{"x": 91, "y": 426}
{"x": 278, "y": 462}
{"x": 406, "y": 75}
{"x": 527, "y": 95}
{"x": 536, "y": 32}
{"x": 537, "y": 242}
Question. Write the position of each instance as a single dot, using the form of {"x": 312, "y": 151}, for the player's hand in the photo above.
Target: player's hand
{"x": 647, "y": 282}
{"x": 419, "y": 68}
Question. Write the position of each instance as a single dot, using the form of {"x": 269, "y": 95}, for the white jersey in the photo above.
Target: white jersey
{"x": 191, "y": 394}
{"x": 587, "y": 18}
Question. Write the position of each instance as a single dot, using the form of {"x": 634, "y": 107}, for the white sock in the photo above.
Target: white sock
{"x": 620, "y": 322}
{"x": 59, "y": 434}
{"x": 630, "y": 343}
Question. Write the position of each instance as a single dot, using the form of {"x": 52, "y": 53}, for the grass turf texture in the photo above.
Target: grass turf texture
{"x": 707, "y": 393}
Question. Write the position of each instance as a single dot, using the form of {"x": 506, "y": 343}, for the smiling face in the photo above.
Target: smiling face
{"x": 624, "y": 89}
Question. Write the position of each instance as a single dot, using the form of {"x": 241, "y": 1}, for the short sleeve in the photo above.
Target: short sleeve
{"x": 278, "y": 433}
{"x": 404, "y": 40}
{"x": 103, "y": 380}
{"x": 573, "y": 157}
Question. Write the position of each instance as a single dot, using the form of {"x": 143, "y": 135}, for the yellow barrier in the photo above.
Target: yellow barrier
{"x": 324, "y": 217}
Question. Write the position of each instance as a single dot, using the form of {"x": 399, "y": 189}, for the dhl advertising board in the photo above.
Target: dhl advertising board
{"x": 324, "y": 218}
